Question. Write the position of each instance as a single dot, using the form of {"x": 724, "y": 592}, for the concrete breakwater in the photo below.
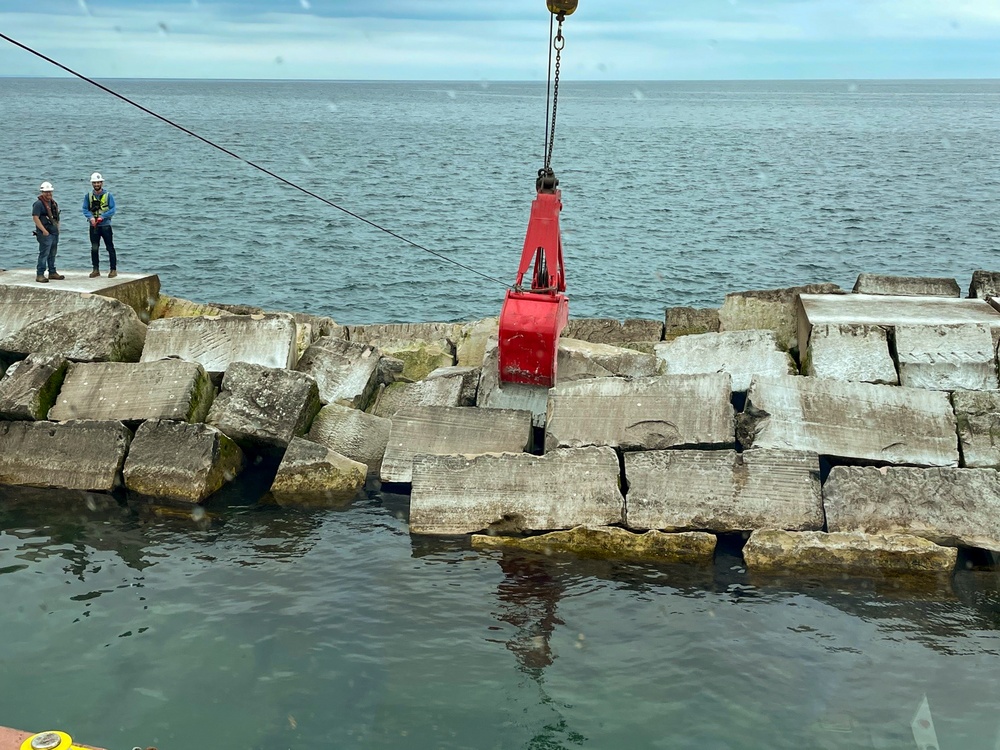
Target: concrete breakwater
{"x": 834, "y": 430}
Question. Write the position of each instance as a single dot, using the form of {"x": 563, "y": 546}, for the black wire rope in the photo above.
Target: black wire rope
{"x": 248, "y": 162}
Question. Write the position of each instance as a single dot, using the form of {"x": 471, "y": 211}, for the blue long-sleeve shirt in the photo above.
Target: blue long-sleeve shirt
{"x": 106, "y": 215}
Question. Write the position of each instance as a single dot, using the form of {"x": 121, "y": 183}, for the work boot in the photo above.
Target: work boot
{"x": 95, "y": 273}
{"x": 41, "y": 279}
{"x": 55, "y": 276}
{"x": 112, "y": 274}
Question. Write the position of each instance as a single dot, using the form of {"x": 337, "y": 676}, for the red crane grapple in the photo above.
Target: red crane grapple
{"x": 532, "y": 319}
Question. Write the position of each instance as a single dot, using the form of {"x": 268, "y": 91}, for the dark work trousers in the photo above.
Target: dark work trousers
{"x": 96, "y": 233}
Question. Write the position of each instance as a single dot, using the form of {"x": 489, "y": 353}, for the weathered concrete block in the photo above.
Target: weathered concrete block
{"x": 176, "y": 307}
{"x": 135, "y": 391}
{"x": 473, "y": 339}
{"x": 845, "y": 552}
{"x": 947, "y": 357}
{"x": 723, "y": 491}
{"x": 29, "y": 388}
{"x": 346, "y": 373}
{"x": 742, "y": 354}
{"x": 70, "y": 455}
{"x": 445, "y": 430}
{"x": 770, "y": 310}
{"x": 515, "y": 492}
{"x": 423, "y": 347}
{"x": 978, "y": 416}
{"x": 81, "y": 327}
{"x": 643, "y": 414}
{"x": 179, "y": 461}
{"x": 314, "y": 476}
{"x": 352, "y": 433}
{"x": 263, "y": 408}
{"x": 492, "y": 394}
{"x": 446, "y": 386}
{"x": 947, "y": 506}
{"x": 850, "y": 352}
{"x": 889, "y": 312}
{"x": 581, "y": 360}
{"x": 850, "y": 420}
{"x": 906, "y": 286}
{"x": 984, "y": 285}
{"x": 613, "y": 332}
{"x": 692, "y": 547}
{"x": 683, "y": 321}
{"x": 216, "y": 342}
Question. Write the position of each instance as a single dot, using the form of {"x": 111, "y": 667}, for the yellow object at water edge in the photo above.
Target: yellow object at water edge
{"x": 561, "y": 6}
{"x": 49, "y": 741}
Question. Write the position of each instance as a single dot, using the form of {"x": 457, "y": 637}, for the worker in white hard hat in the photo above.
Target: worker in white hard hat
{"x": 98, "y": 208}
{"x": 45, "y": 214}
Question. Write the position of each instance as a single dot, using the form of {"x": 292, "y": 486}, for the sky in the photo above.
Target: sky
{"x": 504, "y": 40}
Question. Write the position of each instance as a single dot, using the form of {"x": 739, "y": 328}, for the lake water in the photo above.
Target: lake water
{"x": 267, "y": 628}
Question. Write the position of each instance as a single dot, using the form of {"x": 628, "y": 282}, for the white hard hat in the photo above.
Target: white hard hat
{"x": 96, "y": 177}
{"x": 45, "y": 187}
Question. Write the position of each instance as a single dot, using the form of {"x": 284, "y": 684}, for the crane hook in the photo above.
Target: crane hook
{"x": 561, "y": 7}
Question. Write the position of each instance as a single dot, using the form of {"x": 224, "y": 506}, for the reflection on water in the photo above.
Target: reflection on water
{"x": 273, "y": 628}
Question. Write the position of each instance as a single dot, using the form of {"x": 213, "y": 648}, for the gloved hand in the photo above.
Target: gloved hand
{"x": 100, "y": 219}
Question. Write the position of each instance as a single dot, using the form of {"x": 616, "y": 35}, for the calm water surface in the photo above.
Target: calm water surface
{"x": 267, "y": 628}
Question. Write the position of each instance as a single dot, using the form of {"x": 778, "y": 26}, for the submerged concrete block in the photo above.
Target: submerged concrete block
{"x": 838, "y": 553}
{"x": 906, "y": 286}
{"x": 742, "y": 354}
{"x": 515, "y": 492}
{"x": 581, "y": 360}
{"x": 978, "y": 416}
{"x": 346, "y": 373}
{"x": 444, "y": 430}
{"x": 80, "y": 327}
{"x": 850, "y": 420}
{"x": 947, "y": 357}
{"x": 29, "y": 388}
{"x": 642, "y": 414}
{"x": 684, "y": 321}
{"x": 947, "y": 506}
{"x": 68, "y": 455}
{"x": 216, "y": 342}
{"x": 770, "y": 310}
{"x": 446, "y": 386}
{"x": 312, "y": 475}
{"x": 723, "y": 491}
{"x": 353, "y": 433}
{"x": 850, "y": 352}
{"x": 263, "y": 408}
{"x": 135, "y": 391}
{"x": 423, "y": 347}
{"x": 180, "y": 461}
{"x": 611, "y": 542}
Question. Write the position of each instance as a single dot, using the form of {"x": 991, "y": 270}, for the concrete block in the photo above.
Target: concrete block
{"x": 180, "y": 461}
{"x": 80, "y": 327}
{"x": 216, "y": 342}
{"x": 906, "y": 286}
{"x": 684, "y": 321}
{"x": 611, "y": 542}
{"x": 423, "y": 347}
{"x": 723, "y": 491}
{"x": 515, "y": 492}
{"x": 352, "y": 433}
{"x": 472, "y": 341}
{"x": 839, "y": 553}
{"x": 770, "y": 310}
{"x": 135, "y": 391}
{"x": 446, "y": 386}
{"x": 581, "y": 360}
{"x": 29, "y": 388}
{"x": 889, "y": 312}
{"x": 346, "y": 373}
{"x": 947, "y": 506}
{"x": 176, "y": 307}
{"x": 984, "y": 285}
{"x": 947, "y": 357}
{"x": 643, "y": 414}
{"x": 443, "y": 430}
{"x": 492, "y": 394}
{"x": 978, "y": 416}
{"x": 741, "y": 354}
{"x": 313, "y": 476}
{"x": 850, "y": 352}
{"x": 73, "y": 455}
{"x": 263, "y": 408}
{"x": 613, "y": 332}
{"x": 882, "y": 423}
